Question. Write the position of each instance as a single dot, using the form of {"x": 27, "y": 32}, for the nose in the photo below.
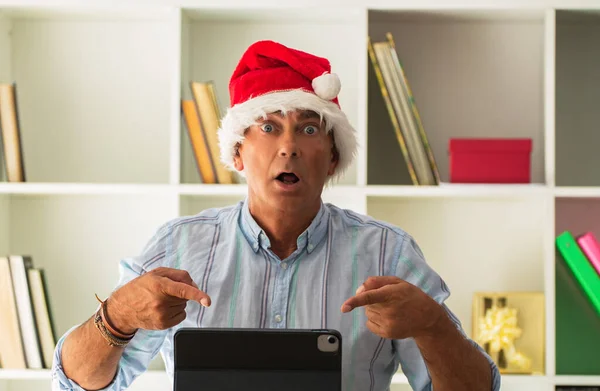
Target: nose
{"x": 288, "y": 152}
{"x": 288, "y": 146}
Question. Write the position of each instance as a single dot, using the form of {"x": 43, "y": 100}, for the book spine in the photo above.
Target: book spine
{"x": 415, "y": 111}
{"x": 591, "y": 249}
{"x": 19, "y": 267}
{"x": 11, "y": 134}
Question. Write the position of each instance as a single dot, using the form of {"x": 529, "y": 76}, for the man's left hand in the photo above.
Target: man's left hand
{"x": 396, "y": 309}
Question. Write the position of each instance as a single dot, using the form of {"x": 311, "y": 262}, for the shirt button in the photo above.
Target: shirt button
{"x": 277, "y": 318}
{"x": 310, "y": 247}
{"x": 284, "y": 265}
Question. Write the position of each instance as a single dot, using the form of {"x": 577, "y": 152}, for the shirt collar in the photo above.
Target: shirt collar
{"x": 310, "y": 238}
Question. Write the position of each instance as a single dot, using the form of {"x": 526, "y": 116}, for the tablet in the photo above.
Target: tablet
{"x": 232, "y": 359}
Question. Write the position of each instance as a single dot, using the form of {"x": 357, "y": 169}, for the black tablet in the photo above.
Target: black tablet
{"x": 232, "y": 359}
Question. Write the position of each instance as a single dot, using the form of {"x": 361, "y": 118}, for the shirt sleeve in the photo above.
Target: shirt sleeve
{"x": 146, "y": 344}
{"x": 412, "y": 267}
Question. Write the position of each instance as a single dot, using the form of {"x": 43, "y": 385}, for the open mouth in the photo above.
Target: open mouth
{"x": 289, "y": 178}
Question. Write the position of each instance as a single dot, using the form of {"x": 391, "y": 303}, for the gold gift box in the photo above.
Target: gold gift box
{"x": 510, "y": 326}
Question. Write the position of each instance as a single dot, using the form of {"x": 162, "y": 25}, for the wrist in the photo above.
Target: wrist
{"x": 439, "y": 327}
{"x": 117, "y": 319}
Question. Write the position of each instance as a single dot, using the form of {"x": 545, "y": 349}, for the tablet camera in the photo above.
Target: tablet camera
{"x": 328, "y": 343}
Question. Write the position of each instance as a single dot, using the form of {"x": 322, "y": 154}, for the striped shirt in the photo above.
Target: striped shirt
{"x": 228, "y": 255}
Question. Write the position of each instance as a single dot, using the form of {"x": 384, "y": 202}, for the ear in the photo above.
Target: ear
{"x": 335, "y": 158}
{"x": 238, "y": 162}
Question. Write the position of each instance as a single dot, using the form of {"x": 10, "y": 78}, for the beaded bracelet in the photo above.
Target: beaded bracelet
{"x": 108, "y": 331}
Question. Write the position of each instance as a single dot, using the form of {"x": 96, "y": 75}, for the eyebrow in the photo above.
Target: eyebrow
{"x": 304, "y": 115}
{"x": 309, "y": 114}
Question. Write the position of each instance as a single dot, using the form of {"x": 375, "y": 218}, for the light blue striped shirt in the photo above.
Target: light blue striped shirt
{"x": 228, "y": 256}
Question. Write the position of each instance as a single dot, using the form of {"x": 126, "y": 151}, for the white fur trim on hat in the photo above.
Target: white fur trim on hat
{"x": 242, "y": 116}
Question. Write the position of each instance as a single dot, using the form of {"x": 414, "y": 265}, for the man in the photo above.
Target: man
{"x": 282, "y": 258}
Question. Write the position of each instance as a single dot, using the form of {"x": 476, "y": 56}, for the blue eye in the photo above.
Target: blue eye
{"x": 310, "y": 129}
{"x": 267, "y": 127}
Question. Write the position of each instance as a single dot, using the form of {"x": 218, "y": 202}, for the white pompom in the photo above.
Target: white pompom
{"x": 327, "y": 86}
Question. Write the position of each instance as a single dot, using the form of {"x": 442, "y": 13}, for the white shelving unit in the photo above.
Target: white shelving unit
{"x": 108, "y": 160}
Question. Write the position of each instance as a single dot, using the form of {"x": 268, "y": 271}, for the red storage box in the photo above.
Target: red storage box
{"x": 490, "y": 160}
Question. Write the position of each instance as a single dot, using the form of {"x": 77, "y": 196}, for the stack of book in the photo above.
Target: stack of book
{"x": 27, "y": 335}
{"x": 581, "y": 254}
{"x": 403, "y": 113}
{"x": 202, "y": 117}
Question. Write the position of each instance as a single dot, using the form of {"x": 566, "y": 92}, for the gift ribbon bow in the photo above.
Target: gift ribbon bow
{"x": 498, "y": 327}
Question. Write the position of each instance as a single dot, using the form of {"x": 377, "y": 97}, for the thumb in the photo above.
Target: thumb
{"x": 376, "y": 282}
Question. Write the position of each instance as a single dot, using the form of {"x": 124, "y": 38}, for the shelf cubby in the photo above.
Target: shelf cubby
{"x": 497, "y": 248}
{"x": 577, "y": 324}
{"x": 93, "y": 92}
{"x": 79, "y": 241}
{"x": 577, "y": 97}
{"x": 472, "y": 74}
{"x": 331, "y": 34}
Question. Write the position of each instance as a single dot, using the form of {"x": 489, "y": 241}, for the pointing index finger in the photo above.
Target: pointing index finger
{"x": 365, "y": 298}
{"x": 376, "y": 282}
{"x": 185, "y": 291}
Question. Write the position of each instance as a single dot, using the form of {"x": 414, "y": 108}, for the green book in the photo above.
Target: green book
{"x": 577, "y": 326}
{"x": 580, "y": 266}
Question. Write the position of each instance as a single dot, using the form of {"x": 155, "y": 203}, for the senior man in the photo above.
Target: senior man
{"x": 282, "y": 258}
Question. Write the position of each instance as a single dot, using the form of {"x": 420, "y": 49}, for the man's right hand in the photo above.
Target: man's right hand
{"x": 153, "y": 301}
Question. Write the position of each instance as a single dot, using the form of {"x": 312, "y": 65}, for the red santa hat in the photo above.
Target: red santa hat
{"x": 271, "y": 77}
